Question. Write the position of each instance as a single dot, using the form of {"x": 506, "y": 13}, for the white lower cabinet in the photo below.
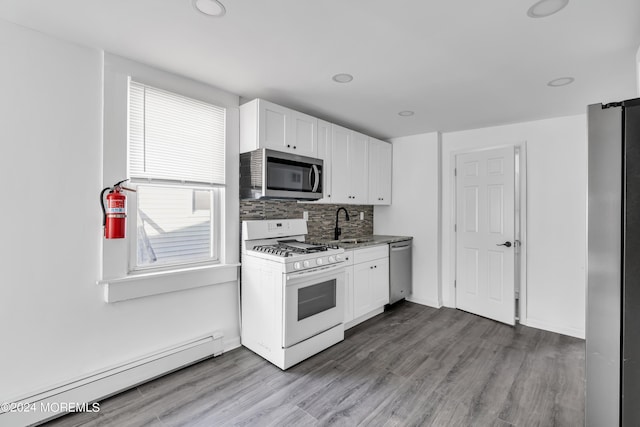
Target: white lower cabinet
{"x": 367, "y": 283}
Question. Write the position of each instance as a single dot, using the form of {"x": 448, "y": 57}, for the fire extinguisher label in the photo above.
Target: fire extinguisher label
{"x": 115, "y": 207}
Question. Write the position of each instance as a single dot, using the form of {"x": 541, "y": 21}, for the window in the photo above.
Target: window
{"x": 176, "y": 161}
{"x": 178, "y": 141}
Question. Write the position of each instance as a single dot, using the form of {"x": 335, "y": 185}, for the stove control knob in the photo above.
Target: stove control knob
{"x": 296, "y": 266}
{"x": 319, "y": 261}
{"x": 306, "y": 264}
{"x": 332, "y": 259}
{"x": 339, "y": 258}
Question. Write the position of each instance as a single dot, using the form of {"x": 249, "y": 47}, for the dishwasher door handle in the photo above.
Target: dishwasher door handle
{"x": 400, "y": 248}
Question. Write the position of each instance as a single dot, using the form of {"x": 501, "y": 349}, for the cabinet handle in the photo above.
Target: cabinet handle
{"x": 294, "y": 147}
{"x": 288, "y": 146}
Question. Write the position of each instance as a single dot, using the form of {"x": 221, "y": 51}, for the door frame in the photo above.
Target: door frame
{"x": 520, "y": 224}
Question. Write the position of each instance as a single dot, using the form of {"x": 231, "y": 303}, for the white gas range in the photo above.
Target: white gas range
{"x": 292, "y": 292}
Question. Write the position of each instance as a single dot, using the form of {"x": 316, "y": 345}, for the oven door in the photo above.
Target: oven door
{"x": 313, "y": 303}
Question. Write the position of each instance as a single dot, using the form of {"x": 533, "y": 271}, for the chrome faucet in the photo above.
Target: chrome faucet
{"x": 337, "y": 231}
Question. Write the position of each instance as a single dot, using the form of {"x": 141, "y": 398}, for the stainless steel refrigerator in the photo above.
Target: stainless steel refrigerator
{"x": 613, "y": 283}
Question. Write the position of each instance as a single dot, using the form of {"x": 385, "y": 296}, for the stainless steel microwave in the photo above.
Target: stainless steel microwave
{"x": 270, "y": 174}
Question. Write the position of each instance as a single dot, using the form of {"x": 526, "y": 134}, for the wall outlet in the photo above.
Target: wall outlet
{"x": 305, "y": 215}
{"x": 361, "y": 216}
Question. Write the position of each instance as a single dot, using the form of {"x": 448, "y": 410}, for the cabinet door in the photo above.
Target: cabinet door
{"x": 273, "y": 125}
{"x": 362, "y": 295}
{"x": 359, "y": 167}
{"x": 340, "y": 167}
{"x": 385, "y": 161}
{"x": 324, "y": 153}
{"x": 302, "y": 139}
{"x": 380, "y": 283}
{"x": 374, "y": 173}
{"x": 348, "y": 294}
{"x": 379, "y": 172}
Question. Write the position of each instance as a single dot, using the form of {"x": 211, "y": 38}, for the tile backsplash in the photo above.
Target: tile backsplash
{"x": 322, "y": 217}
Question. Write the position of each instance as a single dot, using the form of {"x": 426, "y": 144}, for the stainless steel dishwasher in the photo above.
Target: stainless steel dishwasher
{"x": 400, "y": 276}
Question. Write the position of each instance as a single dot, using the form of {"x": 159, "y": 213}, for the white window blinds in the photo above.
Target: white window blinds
{"x": 174, "y": 138}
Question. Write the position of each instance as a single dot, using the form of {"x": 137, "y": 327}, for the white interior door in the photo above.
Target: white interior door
{"x": 485, "y": 232}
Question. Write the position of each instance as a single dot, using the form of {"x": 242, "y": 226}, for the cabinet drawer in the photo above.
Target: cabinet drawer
{"x": 371, "y": 253}
{"x": 348, "y": 258}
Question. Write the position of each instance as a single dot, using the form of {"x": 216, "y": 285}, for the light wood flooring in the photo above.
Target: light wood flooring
{"x": 410, "y": 366}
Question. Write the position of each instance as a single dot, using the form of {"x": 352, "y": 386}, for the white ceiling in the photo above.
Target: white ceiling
{"x": 458, "y": 64}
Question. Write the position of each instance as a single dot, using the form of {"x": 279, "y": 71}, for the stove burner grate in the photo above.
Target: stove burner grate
{"x": 287, "y": 248}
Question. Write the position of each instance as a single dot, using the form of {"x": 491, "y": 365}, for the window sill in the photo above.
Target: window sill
{"x": 148, "y": 284}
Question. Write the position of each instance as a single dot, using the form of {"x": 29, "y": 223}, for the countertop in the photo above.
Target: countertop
{"x": 364, "y": 241}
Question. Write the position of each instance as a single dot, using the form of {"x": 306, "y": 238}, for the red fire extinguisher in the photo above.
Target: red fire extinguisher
{"x": 114, "y": 214}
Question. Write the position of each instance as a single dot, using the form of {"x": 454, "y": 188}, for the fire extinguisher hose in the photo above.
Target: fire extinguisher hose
{"x": 104, "y": 210}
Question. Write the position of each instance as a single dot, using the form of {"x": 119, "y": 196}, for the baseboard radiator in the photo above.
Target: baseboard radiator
{"x": 79, "y": 394}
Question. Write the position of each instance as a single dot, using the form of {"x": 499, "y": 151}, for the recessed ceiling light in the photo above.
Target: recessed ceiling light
{"x": 562, "y": 81}
{"x": 342, "y": 78}
{"x": 406, "y": 113}
{"x": 545, "y": 8}
{"x": 210, "y": 7}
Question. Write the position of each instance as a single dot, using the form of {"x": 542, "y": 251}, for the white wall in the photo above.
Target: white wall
{"x": 556, "y": 216}
{"x": 638, "y": 69}
{"x": 56, "y": 326}
{"x": 415, "y": 210}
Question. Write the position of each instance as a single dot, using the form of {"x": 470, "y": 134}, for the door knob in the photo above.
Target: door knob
{"x": 507, "y": 244}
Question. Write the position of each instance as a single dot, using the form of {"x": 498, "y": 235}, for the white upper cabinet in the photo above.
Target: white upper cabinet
{"x": 325, "y": 137}
{"x": 305, "y": 134}
{"x": 264, "y": 124}
{"x": 357, "y": 168}
{"x": 359, "y": 164}
{"x": 340, "y": 173}
{"x": 349, "y": 166}
{"x": 379, "y": 172}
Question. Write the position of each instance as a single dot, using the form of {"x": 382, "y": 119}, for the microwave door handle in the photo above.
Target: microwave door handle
{"x": 316, "y": 174}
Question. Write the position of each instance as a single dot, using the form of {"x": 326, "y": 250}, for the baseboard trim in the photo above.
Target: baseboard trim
{"x": 46, "y": 404}
{"x": 538, "y": 324}
{"x": 424, "y": 301}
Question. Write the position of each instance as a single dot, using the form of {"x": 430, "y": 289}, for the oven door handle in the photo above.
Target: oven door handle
{"x": 318, "y": 271}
